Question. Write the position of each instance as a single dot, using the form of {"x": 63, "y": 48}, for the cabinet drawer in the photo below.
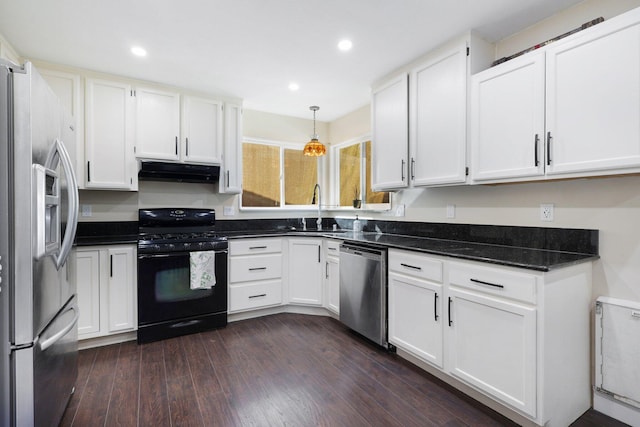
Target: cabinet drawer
{"x": 254, "y": 295}
{"x": 260, "y": 267}
{"x": 333, "y": 247}
{"x": 494, "y": 281}
{"x": 254, "y": 246}
{"x": 416, "y": 265}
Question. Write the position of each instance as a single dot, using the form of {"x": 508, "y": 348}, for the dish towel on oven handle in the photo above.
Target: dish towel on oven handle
{"x": 202, "y": 268}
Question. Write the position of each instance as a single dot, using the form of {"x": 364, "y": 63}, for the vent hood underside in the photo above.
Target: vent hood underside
{"x": 178, "y": 172}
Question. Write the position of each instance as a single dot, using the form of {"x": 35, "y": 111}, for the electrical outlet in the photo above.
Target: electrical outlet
{"x": 400, "y": 210}
{"x": 86, "y": 210}
{"x": 228, "y": 211}
{"x": 451, "y": 211}
{"x": 546, "y": 212}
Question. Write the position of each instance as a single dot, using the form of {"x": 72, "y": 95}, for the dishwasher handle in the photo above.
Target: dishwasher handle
{"x": 361, "y": 250}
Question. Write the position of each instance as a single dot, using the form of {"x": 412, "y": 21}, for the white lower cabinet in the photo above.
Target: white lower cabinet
{"x": 492, "y": 345}
{"x": 332, "y": 275}
{"x": 255, "y": 274}
{"x": 106, "y": 285}
{"x": 415, "y": 305}
{"x": 305, "y": 271}
{"x": 517, "y": 336}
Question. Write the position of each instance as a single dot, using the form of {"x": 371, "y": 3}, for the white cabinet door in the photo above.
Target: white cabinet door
{"x": 390, "y": 126}
{"x": 201, "y": 130}
{"x": 157, "y": 124}
{"x": 437, "y": 121}
{"x": 231, "y": 179}
{"x": 415, "y": 317}
{"x": 68, "y": 89}
{"x": 305, "y": 271}
{"x": 507, "y": 124}
{"x": 110, "y": 161}
{"x": 121, "y": 289}
{"x": 593, "y": 113}
{"x": 492, "y": 346}
{"x": 87, "y": 278}
{"x": 332, "y": 283}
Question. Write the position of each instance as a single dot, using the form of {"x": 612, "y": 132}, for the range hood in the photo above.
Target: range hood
{"x": 178, "y": 172}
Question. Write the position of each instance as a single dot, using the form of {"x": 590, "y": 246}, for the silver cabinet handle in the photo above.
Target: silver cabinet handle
{"x": 257, "y": 268}
{"x": 413, "y": 169}
{"x": 186, "y": 147}
{"x": 411, "y": 266}
{"x": 257, "y": 247}
{"x": 257, "y": 296}
{"x": 402, "y": 174}
{"x": 176, "y": 145}
{"x": 536, "y": 140}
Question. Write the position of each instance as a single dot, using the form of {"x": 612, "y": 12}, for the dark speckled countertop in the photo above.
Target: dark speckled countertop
{"x": 533, "y": 248}
{"x": 532, "y": 259}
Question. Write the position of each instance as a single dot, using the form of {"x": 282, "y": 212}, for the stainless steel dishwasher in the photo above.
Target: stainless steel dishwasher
{"x": 363, "y": 291}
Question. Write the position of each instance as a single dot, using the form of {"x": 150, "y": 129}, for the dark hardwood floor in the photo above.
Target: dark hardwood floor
{"x": 286, "y": 369}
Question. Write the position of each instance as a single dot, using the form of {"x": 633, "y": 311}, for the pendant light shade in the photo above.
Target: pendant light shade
{"x": 314, "y": 147}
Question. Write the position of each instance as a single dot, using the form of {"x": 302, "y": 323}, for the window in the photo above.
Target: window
{"x": 352, "y": 176}
{"x": 277, "y": 175}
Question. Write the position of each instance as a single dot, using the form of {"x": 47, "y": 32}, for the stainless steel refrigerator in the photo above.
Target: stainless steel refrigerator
{"x": 38, "y": 220}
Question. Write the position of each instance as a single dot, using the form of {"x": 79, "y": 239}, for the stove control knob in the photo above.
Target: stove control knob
{"x": 156, "y": 247}
{"x": 186, "y": 245}
{"x": 171, "y": 246}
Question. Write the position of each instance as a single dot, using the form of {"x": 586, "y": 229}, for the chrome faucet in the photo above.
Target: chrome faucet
{"x": 319, "y": 220}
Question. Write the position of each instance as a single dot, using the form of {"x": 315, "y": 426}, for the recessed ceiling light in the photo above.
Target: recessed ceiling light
{"x": 293, "y": 86}
{"x": 345, "y": 45}
{"x": 138, "y": 51}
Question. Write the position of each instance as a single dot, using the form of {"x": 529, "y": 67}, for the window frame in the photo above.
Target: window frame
{"x": 334, "y": 154}
{"x": 282, "y": 145}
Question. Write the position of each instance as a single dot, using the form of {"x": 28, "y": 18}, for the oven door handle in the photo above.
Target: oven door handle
{"x": 174, "y": 254}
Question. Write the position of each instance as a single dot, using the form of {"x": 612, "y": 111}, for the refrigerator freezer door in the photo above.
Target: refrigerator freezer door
{"x": 48, "y": 371}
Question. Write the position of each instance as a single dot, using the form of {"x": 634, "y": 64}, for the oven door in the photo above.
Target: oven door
{"x": 164, "y": 291}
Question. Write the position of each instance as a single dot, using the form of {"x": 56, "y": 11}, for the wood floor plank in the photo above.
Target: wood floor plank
{"x": 285, "y": 369}
{"x": 97, "y": 391}
{"x": 123, "y": 405}
{"x": 153, "y": 410}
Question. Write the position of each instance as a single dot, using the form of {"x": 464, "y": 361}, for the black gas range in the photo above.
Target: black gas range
{"x": 175, "y": 245}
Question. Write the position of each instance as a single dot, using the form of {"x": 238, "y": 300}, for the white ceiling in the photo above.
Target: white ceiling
{"x": 252, "y": 49}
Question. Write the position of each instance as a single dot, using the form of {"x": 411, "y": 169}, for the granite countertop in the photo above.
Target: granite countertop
{"x": 510, "y": 246}
{"x": 529, "y": 258}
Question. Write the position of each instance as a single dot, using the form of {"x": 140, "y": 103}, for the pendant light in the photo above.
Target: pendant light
{"x": 314, "y": 147}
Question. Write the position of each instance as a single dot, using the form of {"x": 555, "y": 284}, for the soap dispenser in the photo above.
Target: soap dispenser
{"x": 357, "y": 225}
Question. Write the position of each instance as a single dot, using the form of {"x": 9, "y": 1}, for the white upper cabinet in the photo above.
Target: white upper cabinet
{"x": 110, "y": 161}
{"x": 422, "y": 113}
{"x": 231, "y": 177}
{"x": 390, "y": 125}
{"x": 201, "y": 130}
{"x": 437, "y": 119}
{"x": 593, "y": 88}
{"x": 507, "y": 123}
{"x": 568, "y": 110}
{"x": 68, "y": 88}
{"x": 157, "y": 124}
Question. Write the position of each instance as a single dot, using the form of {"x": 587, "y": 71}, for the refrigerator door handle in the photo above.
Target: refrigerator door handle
{"x": 64, "y": 331}
{"x": 59, "y": 152}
